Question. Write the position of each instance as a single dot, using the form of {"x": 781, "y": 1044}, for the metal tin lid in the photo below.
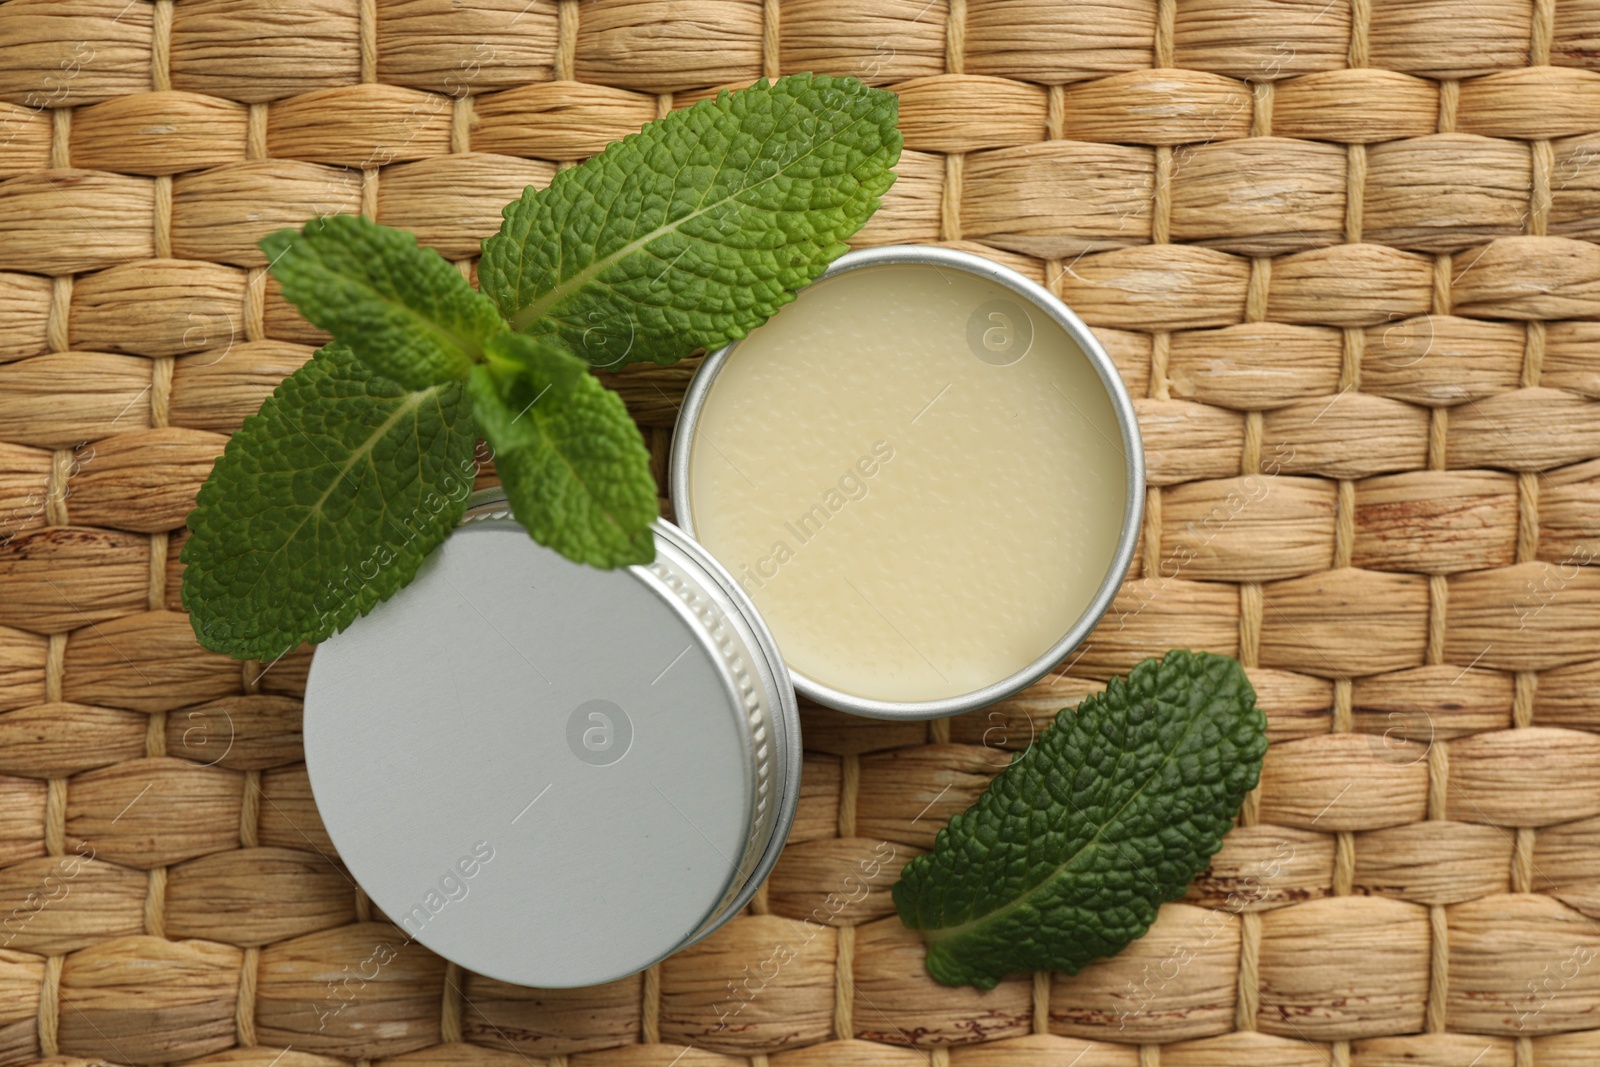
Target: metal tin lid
{"x": 550, "y": 774}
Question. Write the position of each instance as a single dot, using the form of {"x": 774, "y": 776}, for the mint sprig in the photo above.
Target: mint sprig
{"x": 1067, "y": 855}
{"x": 687, "y": 234}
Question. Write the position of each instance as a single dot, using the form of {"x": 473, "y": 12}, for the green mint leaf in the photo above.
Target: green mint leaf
{"x": 696, "y": 229}
{"x": 324, "y": 504}
{"x": 1070, "y": 851}
{"x": 405, "y": 311}
{"x": 575, "y": 468}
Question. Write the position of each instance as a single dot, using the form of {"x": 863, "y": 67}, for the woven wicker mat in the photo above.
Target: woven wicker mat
{"x": 1342, "y": 251}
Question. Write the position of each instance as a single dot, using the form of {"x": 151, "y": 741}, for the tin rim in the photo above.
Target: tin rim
{"x": 784, "y": 716}
{"x": 1132, "y": 447}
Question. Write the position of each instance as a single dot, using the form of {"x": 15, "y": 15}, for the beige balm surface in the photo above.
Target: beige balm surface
{"x": 918, "y": 476}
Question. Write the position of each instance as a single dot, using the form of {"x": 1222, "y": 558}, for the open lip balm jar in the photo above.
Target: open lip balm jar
{"x": 925, "y": 472}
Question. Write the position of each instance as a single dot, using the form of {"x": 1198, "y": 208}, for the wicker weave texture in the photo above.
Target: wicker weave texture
{"x": 1343, "y": 252}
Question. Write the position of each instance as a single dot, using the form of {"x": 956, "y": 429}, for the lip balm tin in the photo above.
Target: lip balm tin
{"x": 550, "y": 774}
{"x": 1039, "y": 301}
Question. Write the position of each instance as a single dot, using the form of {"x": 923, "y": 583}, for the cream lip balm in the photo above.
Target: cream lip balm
{"x": 925, "y": 473}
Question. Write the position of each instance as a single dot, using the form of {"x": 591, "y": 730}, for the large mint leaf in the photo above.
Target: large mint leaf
{"x": 404, "y": 310}
{"x": 324, "y": 504}
{"x": 1068, "y": 854}
{"x": 575, "y": 468}
{"x": 699, "y": 227}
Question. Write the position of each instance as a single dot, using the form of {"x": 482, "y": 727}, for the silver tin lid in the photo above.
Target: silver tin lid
{"x": 1131, "y": 444}
{"x": 549, "y": 774}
